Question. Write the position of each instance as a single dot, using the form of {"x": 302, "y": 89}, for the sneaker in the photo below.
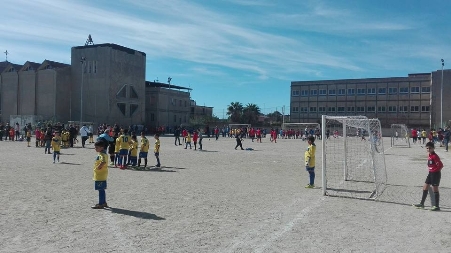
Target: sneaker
{"x": 111, "y": 163}
{"x": 97, "y": 206}
{"x": 310, "y": 186}
{"x": 105, "y": 205}
{"x": 53, "y": 161}
{"x": 419, "y": 206}
{"x": 435, "y": 208}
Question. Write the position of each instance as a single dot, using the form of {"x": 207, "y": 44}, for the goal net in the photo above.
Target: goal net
{"x": 304, "y": 129}
{"x": 400, "y": 135}
{"x": 353, "y": 163}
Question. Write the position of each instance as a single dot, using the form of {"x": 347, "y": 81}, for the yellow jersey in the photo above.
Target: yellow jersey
{"x": 310, "y": 156}
{"x": 144, "y": 145}
{"x": 157, "y": 146}
{"x": 134, "y": 149}
{"x": 101, "y": 167}
{"x": 124, "y": 141}
{"x": 56, "y": 144}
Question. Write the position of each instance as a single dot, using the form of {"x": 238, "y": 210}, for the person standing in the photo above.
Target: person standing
{"x": 48, "y": 139}
{"x": 435, "y": 166}
{"x": 84, "y": 132}
{"x": 200, "y": 138}
{"x": 309, "y": 156}
{"x": 72, "y": 135}
{"x": 144, "y": 149}
{"x": 123, "y": 141}
{"x": 56, "y": 146}
{"x": 446, "y": 136}
{"x": 100, "y": 174}
{"x": 177, "y": 136}
{"x": 17, "y": 131}
{"x": 195, "y": 138}
{"x": 216, "y": 132}
{"x": 238, "y": 141}
{"x": 156, "y": 150}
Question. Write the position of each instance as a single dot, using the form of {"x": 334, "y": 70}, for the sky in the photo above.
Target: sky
{"x": 246, "y": 51}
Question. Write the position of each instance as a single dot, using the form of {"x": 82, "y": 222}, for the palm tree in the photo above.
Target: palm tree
{"x": 235, "y": 110}
{"x": 251, "y": 113}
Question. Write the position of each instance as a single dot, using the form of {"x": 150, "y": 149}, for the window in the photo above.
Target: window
{"x": 381, "y": 109}
{"x": 295, "y": 109}
{"x": 361, "y": 91}
{"x": 371, "y": 109}
{"x": 185, "y": 106}
{"x": 312, "y": 109}
{"x": 295, "y": 93}
{"x": 304, "y": 109}
{"x": 313, "y": 92}
{"x": 351, "y": 92}
{"x": 322, "y": 92}
{"x": 152, "y": 117}
{"x": 133, "y": 93}
{"x": 331, "y": 109}
{"x": 133, "y": 108}
{"x": 121, "y": 107}
{"x": 392, "y": 90}
{"x": 351, "y": 109}
{"x": 381, "y": 91}
{"x": 371, "y": 91}
{"x": 341, "y": 109}
{"x": 341, "y": 92}
{"x": 425, "y": 89}
{"x": 403, "y": 90}
{"x": 122, "y": 93}
{"x": 304, "y": 93}
{"x": 332, "y": 93}
{"x": 392, "y": 108}
{"x": 402, "y": 108}
{"x": 360, "y": 109}
{"x": 425, "y": 108}
{"x": 414, "y": 108}
{"x": 414, "y": 89}
{"x": 321, "y": 109}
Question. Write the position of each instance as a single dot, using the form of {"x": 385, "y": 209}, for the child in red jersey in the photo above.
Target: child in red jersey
{"x": 435, "y": 166}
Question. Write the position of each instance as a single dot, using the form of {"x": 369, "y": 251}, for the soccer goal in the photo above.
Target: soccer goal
{"x": 239, "y": 126}
{"x": 400, "y": 135}
{"x": 353, "y": 165}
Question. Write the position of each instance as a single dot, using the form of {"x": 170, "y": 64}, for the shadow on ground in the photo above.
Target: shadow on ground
{"x": 137, "y": 214}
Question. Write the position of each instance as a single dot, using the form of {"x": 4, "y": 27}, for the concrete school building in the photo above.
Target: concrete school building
{"x": 104, "y": 83}
{"x": 414, "y": 100}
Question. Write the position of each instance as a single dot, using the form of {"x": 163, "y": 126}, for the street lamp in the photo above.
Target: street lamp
{"x": 82, "y": 61}
{"x": 441, "y": 96}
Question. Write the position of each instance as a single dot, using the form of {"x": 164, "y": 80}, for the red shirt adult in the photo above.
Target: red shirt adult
{"x": 414, "y": 133}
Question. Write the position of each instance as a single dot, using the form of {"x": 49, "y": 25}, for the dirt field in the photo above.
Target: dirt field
{"x": 216, "y": 200}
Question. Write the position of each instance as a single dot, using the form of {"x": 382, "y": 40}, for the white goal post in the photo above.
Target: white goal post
{"x": 399, "y": 135}
{"x": 353, "y": 164}
{"x": 300, "y": 126}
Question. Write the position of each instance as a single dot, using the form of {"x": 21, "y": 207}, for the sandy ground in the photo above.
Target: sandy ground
{"x": 216, "y": 200}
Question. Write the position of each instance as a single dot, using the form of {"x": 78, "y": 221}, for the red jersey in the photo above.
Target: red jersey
{"x": 434, "y": 163}
{"x": 414, "y": 133}
{"x": 195, "y": 136}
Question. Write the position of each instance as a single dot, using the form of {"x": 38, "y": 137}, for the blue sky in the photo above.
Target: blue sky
{"x": 247, "y": 51}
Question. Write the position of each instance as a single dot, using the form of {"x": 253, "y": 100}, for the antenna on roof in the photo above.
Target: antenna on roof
{"x": 169, "y": 80}
{"x": 6, "y": 53}
{"x": 89, "y": 41}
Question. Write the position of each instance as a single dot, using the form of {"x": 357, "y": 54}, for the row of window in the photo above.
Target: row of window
{"x": 90, "y": 67}
{"x": 174, "y": 102}
{"x": 361, "y": 91}
{"x": 413, "y": 108}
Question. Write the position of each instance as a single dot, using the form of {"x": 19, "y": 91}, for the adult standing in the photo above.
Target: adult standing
{"x": 84, "y": 132}
{"x": 216, "y": 132}
{"x": 446, "y": 137}
{"x": 72, "y": 135}
{"x": 17, "y": 130}
{"x": 177, "y": 136}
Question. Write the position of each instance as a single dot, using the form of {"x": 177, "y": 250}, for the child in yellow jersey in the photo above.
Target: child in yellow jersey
{"x": 188, "y": 140}
{"x": 100, "y": 174}
{"x": 65, "y": 138}
{"x": 117, "y": 157}
{"x": 56, "y": 146}
{"x": 124, "y": 144}
{"x": 144, "y": 149}
{"x": 133, "y": 158}
{"x": 310, "y": 161}
{"x": 156, "y": 149}
{"x": 28, "y": 134}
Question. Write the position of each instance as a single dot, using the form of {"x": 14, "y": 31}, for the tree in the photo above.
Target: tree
{"x": 251, "y": 113}
{"x": 275, "y": 116}
{"x": 235, "y": 110}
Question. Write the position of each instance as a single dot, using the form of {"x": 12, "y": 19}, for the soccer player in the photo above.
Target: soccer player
{"x": 144, "y": 149}
{"x": 195, "y": 137}
{"x": 56, "y": 146}
{"x": 133, "y": 157}
{"x": 435, "y": 166}
{"x": 123, "y": 141}
{"x": 37, "y": 134}
{"x": 310, "y": 161}
{"x": 100, "y": 174}
{"x": 188, "y": 140}
{"x": 28, "y": 134}
{"x": 156, "y": 149}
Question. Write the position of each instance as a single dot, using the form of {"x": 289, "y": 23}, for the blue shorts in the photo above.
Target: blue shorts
{"x": 157, "y": 154}
{"x": 56, "y": 152}
{"x": 100, "y": 185}
{"x": 123, "y": 152}
{"x": 142, "y": 154}
{"x": 310, "y": 169}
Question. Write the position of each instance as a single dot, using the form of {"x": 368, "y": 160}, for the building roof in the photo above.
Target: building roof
{"x": 53, "y": 64}
{"x": 6, "y": 64}
{"x": 114, "y": 46}
{"x": 33, "y": 65}
{"x": 165, "y": 85}
{"x": 3, "y": 65}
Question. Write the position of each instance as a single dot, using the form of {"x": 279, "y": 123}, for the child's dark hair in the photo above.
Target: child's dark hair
{"x": 312, "y": 139}
{"x": 430, "y": 144}
{"x": 99, "y": 144}
{"x": 157, "y": 135}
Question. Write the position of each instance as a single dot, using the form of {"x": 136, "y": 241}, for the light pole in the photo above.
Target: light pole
{"x": 82, "y": 60}
{"x": 441, "y": 96}
{"x": 169, "y": 90}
